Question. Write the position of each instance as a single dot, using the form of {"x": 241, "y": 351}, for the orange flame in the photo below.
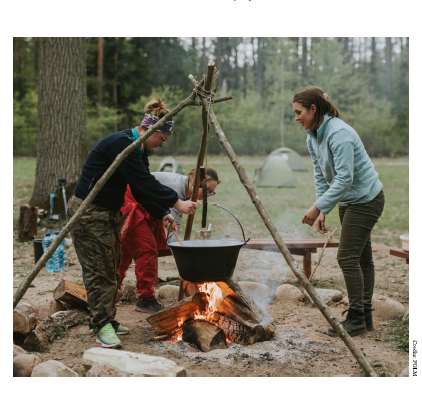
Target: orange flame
{"x": 214, "y": 295}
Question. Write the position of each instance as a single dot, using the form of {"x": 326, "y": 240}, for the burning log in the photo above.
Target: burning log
{"x": 204, "y": 335}
{"x": 231, "y": 311}
{"x": 241, "y": 323}
{"x": 239, "y": 332}
{"x": 170, "y": 320}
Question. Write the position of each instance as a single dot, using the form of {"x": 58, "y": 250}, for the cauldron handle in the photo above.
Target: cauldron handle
{"x": 243, "y": 233}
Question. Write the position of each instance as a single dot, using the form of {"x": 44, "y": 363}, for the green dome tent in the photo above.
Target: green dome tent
{"x": 170, "y": 165}
{"x": 293, "y": 159}
{"x": 275, "y": 172}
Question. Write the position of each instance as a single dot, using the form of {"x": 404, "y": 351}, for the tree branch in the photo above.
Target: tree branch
{"x": 221, "y": 99}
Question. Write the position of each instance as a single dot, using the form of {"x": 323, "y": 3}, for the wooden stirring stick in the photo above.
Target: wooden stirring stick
{"x": 180, "y": 242}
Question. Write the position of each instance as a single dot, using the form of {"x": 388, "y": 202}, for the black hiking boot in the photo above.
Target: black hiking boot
{"x": 148, "y": 305}
{"x": 368, "y": 319}
{"x": 354, "y": 323}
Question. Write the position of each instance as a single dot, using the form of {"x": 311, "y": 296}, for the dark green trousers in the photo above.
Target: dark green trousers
{"x": 96, "y": 237}
{"x": 355, "y": 250}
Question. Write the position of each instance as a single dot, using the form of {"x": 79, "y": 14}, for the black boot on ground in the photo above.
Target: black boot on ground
{"x": 368, "y": 319}
{"x": 148, "y": 305}
{"x": 354, "y": 324}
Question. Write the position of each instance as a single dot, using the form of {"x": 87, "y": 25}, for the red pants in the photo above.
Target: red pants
{"x": 142, "y": 237}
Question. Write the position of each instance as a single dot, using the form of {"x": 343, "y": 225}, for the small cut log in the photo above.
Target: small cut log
{"x": 171, "y": 319}
{"x": 51, "y": 327}
{"x": 204, "y": 335}
{"x": 47, "y": 306}
{"x": 28, "y": 221}
{"x": 135, "y": 363}
{"x": 71, "y": 293}
{"x": 25, "y": 317}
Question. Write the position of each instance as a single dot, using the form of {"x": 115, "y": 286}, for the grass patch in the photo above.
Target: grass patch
{"x": 60, "y": 330}
{"x": 285, "y": 206}
{"x": 395, "y": 332}
{"x": 80, "y": 282}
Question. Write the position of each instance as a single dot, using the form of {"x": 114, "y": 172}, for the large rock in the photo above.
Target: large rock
{"x": 288, "y": 293}
{"x": 329, "y": 296}
{"x": 129, "y": 292}
{"x": 17, "y": 351}
{"x": 53, "y": 369}
{"x": 24, "y": 364}
{"x": 106, "y": 370}
{"x": 260, "y": 293}
{"x": 46, "y": 307}
{"x": 168, "y": 292}
{"x": 386, "y": 308}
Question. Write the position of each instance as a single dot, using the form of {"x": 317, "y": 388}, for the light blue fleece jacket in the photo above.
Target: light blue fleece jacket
{"x": 343, "y": 171}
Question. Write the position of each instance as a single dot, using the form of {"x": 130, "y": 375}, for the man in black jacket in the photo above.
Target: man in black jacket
{"x": 96, "y": 236}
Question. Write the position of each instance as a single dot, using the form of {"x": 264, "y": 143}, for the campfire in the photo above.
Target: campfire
{"x": 214, "y": 314}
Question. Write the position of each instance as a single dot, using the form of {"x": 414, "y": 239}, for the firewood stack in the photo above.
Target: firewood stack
{"x": 212, "y": 315}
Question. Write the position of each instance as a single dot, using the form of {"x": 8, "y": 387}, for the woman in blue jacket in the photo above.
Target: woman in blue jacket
{"x": 344, "y": 175}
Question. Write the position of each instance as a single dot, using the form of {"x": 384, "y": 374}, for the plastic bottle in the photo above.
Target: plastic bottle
{"x": 46, "y": 242}
{"x": 61, "y": 252}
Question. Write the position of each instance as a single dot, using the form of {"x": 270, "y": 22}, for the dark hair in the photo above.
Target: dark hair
{"x": 210, "y": 174}
{"x": 314, "y": 95}
{"x": 156, "y": 107}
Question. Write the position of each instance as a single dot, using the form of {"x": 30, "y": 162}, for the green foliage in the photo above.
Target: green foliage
{"x": 25, "y": 125}
{"x": 262, "y": 75}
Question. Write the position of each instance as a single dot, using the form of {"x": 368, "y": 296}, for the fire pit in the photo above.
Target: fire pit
{"x": 216, "y": 314}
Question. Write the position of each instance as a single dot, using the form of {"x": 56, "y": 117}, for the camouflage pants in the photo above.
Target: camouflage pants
{"x": 96, "y": 237}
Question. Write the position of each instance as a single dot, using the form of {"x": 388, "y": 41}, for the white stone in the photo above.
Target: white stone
{"x": 168, "y": 292}
{"x": 288, "y": 293}
{"x": 386, "y": 308}
{"x": 24, "y": 364}
{"x": 328, "y": 295}
{"x": 132, "y": 362}
{"x": 53, "y": 369}
{"x": 129, "y": 292}
{"x": 406, "y": 317}
{"x": 17, "y": 351}
{"x": 106, "y": 370}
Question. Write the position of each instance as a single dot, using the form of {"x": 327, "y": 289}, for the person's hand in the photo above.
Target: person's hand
{"x": 320, "y": 224}
{"x": 310, "y": 216}
{"x": 186, "y": 207}
{"x": 169, "y": 223}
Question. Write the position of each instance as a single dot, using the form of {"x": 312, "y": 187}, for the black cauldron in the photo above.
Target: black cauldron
{"x": 206, "y": 260}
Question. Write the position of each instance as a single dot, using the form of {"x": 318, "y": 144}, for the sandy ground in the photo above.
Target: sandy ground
{"x": 300, "y": 346}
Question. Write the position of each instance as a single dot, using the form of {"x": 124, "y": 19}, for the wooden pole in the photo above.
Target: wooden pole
{"x": 282, "y": 246}
{"x": 203, "y": 146}
{"x": 23, "y": 287}
{"x": 204, "y": 197}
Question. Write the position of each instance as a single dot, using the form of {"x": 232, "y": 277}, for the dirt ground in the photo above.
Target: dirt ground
{"x": 300, "y": 346}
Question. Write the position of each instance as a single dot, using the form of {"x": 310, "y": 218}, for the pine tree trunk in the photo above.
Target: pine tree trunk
{"x": 116, "y": 58}
{"x": 100, "y": 85}
{"x": 388, "y": 56}
{"x": 62, "y": 142}
{"x": 304, "y": 57}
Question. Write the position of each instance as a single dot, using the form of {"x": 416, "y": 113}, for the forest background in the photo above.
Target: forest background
{"x": 367, "y": 78}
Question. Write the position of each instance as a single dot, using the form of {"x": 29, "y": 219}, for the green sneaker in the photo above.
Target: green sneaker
{"x": 107, "y": 337}
{"x": 122, "y": 330}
